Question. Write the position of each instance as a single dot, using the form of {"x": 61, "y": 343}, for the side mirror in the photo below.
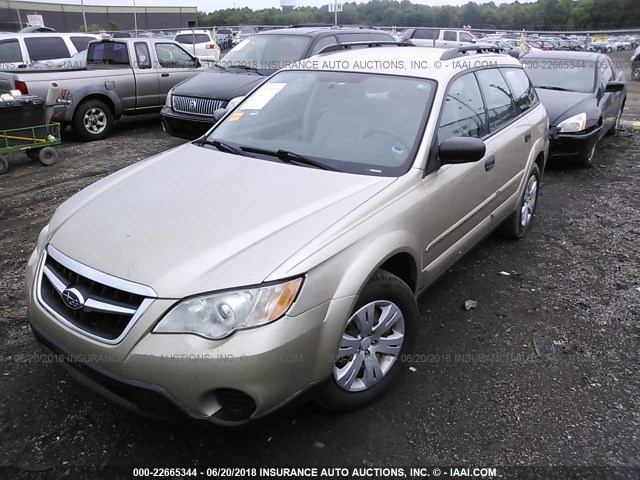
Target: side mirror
{"x": 461, "y": 150}
{"x": 219, "y": 113}
{"x": 614, "y": 86}
{"x": 473, "y": 40}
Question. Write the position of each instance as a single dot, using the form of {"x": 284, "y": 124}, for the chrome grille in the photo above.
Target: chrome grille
{"x": 98, "y": 307}
{"x": 196, "y": 106}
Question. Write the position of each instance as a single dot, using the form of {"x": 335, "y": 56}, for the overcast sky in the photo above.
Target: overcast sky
{"x": 211, "y": 5}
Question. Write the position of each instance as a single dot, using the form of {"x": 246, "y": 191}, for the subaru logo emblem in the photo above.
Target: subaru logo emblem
{"x": 72, "y": 298}
{"x": 193, "y": 104}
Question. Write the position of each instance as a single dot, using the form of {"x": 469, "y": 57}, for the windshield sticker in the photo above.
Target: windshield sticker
{"x": 397, "y": 149}
{"x": 234, "y": 117}
{"x": 258, "y": 100}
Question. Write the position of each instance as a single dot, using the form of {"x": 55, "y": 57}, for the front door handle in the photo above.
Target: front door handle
{"x": 527, "y": 137}
{"x": 164, "y": 75}
{"x": 489, "y": 163}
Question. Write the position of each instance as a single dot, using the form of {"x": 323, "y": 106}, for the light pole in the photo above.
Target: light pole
{"x": 135, "y": 18}
{"x": 84, "y": 16}
{"x": 335, "y": 12}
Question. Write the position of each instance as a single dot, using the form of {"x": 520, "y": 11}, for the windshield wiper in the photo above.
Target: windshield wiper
{"x": 247, "y": 67}
{"x": 551, "y": 87}
{"x": 289, "y": 157}
{"x": 222, "y": 146}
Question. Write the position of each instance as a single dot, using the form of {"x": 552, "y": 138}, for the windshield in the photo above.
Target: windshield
{"x": 269, "y": 52}
{"x": 561, "y": 74}
{"x": 353, "y": 122}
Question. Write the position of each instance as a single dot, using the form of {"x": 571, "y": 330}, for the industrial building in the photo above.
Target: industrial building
{"x": 69, "y": 18}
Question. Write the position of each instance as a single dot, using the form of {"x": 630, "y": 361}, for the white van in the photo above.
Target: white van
{"x": 25, "y": 50}
{"x": 438, "y": 37}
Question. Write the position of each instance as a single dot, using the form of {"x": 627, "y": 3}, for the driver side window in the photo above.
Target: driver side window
{"x": 463, "y": 114}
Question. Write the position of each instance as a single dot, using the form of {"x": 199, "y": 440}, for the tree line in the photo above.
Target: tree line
{"x": 539, "y": 15}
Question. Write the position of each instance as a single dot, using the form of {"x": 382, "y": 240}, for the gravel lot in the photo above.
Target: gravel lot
{"x": 545, "y": 371}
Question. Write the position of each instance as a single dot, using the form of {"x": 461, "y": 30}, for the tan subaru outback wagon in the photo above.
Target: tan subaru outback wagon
{"x": 282, "y": 253}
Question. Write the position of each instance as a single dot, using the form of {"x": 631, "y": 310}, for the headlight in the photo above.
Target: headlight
{"x": 218, "y": 315}
{"x": 233, "y": 103}
{"x": 577, "y": 123}
{"x": 167, "y": 102}
{"x": 43, "y": 237}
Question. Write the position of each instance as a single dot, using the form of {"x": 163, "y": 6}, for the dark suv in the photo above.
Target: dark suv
{"x": 189, "y": 108}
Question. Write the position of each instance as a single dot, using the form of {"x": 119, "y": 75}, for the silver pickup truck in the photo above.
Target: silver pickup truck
{"x": 124, "y": 76}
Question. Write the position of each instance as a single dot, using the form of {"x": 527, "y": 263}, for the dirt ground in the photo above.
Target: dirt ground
{"x": 545, "y": 371}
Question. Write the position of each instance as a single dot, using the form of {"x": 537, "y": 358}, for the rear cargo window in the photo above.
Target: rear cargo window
{"x": 10, "y": 51}
{"x": 46, "y": 48}
{"x": 188, "y": 38}
{"x": 426, "y": 33}
{"x": 81, "y": 43}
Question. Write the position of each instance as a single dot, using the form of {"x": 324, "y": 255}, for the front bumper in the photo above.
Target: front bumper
{"x": 226, "y": 382}
{"x": 572, "y": 146}
{"x": 184, "y": 126}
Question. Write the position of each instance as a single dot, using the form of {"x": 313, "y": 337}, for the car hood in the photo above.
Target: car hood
{"x": 561, "y": 105}
{"x": 218, "y": 84}
{"x": 194, "y": 219}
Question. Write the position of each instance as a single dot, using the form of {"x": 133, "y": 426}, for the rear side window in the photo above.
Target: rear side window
{"x": 108, "y": 53}
{"x": 81, "y": 43}
{"x": 10, "y": 51}
{"x": 426, "y": 33}
{"x": 449, "y": 36}
{"x": 322, "y": 43}
{"x": 500, "y": 106}
{"x": 46, "y": 48}
{"x": 463, "y": 114}
{"x": 523, "y": 92}
{"x": 142, "y": 55}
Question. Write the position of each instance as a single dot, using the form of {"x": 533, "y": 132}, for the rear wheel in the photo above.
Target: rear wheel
{"x": 33, "y": 153}
{"x": 4, "y": 165}
{"x": 380, "y": 330}
{"x": 519, "y": 222}
{"x": 48, "y": 156}
{"x": 92, "y": 120}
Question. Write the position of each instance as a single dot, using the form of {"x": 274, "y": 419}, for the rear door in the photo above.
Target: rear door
{"x": 510, "y": 133}
{"x": 147, "y": 77}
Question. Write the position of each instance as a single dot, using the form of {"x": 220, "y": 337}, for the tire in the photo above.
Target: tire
{"x": 613, "y": 131}
{"x": 32, "y": 153}
{"x": 48, "y": 156}
{"x": 4, "y": 165}
{"x": 635, "y": 70}
{"x": 363, "y": 376}
{"x": 92, "y": 120}
{"x": 519, "y": 222}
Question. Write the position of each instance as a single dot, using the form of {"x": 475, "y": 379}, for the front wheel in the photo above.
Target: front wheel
{"x": 635, "y": 70}
{"x": 519, "y": 222}
{"x": 380, "y": 330}
{"x": 4, "y": 165}
{"x": 92, "y": 120}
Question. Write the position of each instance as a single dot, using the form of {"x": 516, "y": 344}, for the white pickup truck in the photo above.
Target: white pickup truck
{"x": 124, "y": 76}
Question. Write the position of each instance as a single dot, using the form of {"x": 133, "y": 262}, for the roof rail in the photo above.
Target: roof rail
{"x": 478, "y": 49}
{"x": 306, "y": 25}
{"x": 373, "y": 43}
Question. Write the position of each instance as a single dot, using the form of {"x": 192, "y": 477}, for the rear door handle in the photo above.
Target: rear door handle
{"x": 489, "y": 163}
{"x": 527, "y": 137}
{"x": 164, "y": 75}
